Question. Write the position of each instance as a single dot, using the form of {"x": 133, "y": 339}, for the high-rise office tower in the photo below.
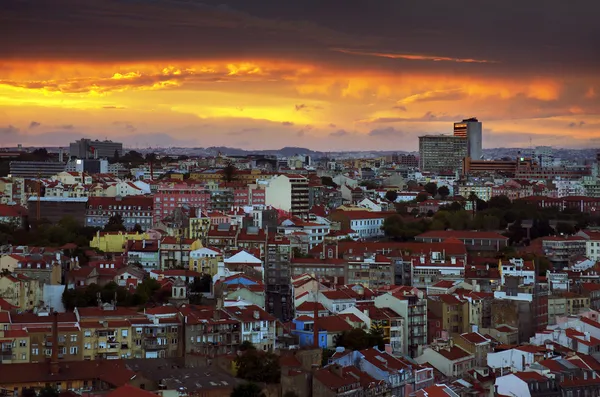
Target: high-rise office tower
{"x": 88, "y": 149}
{"x": 471, "y": 129}
{"x": 439, "y": 153}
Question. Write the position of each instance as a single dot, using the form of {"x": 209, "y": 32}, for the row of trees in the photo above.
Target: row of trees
{"x": 147, "y": 291}
{"x": 497, "y": 214}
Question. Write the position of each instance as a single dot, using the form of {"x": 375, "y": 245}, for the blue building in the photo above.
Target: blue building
{"x": 329, "y": 328}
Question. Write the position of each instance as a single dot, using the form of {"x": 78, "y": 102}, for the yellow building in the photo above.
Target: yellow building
{"x": 106, "y": 339}
{"x": 8, "y": 262}
{"x": 14, "y": 347}
{"x": 20, "y": 291}
{"x": 82, "y": 376}
{"x": 199, "y": 228}
{"x": 115, "y": 242}
{"x": 205, "y": 260}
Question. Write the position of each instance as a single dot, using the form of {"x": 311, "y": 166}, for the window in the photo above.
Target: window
{"x": 73, "y": 350}
{"x": 87, "y": 333}
{"x": 124, "y": 333}
{"x": 87, "y": 346}
{"x": 35, "y": 351}
{"x": 73, "y": 338}
{"x": 23, "y": 343}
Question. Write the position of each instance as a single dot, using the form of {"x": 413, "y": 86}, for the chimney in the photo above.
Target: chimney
{"x": 54, "y": 359}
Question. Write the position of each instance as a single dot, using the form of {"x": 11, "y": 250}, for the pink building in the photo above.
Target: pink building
{"x": 169, "y": 196}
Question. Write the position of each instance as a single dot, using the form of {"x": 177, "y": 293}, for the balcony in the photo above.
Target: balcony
{"x": 153, "y": 345}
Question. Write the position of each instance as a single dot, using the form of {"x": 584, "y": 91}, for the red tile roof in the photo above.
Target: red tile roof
{"x": 334, "y": 381}
{"x": 113, "y": 372}
{"x": 5, "y": 306}
{"x": 130, "y": 391}
{"x": 310, "y": 307}
{"x": 383, "y": 361}
{"x": 461, "y": 234}
{"x": 530, "y": 376}
{"x": 335, "y": 295}
{"x": 475, "y": 338}
{"x": 454, "y": 353}
{"x": 333, "y": 324}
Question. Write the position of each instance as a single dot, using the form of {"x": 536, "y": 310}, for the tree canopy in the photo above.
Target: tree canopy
{"x": 115, "y": 224}
{"x": 443, "y": 191}
{"x": 391, "y": 195}
{"x": 431, "y": 188}
{"x": 257, "y": 366}
{"x": 247, "y": 389}
{"x": 359, "y": 339}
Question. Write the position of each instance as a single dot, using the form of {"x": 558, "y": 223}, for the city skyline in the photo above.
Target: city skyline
{"x": 269, "y": 75}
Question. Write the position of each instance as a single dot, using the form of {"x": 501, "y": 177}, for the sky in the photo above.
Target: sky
{"x": 327, "y": 75}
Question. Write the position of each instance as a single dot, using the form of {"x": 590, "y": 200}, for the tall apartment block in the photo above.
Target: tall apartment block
{"x": 288, "y": 193}
{"x": 279, "y": 298}
{"x": 471, "y": 130}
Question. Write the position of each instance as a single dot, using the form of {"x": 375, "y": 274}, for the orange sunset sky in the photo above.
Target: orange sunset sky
{"x": 326, "y": 75}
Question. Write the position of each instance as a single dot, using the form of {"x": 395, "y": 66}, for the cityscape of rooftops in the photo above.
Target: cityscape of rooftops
{"x": 299, "y": 198}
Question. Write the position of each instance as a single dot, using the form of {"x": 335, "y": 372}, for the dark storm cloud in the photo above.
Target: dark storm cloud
{"x": 339, "y": 134}
{"x": 9, "y": 130}
{"x": 430, "y": 34}
{"x": 428, "y": 116}
{"x": 388, "y": 132}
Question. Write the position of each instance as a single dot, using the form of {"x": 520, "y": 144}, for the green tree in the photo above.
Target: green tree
{"x": 326, "y": 355}
{"x": 49, "y": 391}
{"x": 328, "y": 181}
{"x": 500, "y": 202}
{"x": 443, "y": 191}
{"x": 473, "y": 200}
{"x": 369, "y": 185}
{"x": 247, "y": 389}
{"x": 431, "y": 188}
{"x": 229, "y": 172}
{"x": 116, "y": 156}
{"x": 247, "y": 345}
{"x": 28, "y": 392}
{"x": 422, "y": 197}
{"x": 257, "y": 366}
{"x": 115, "y": 224}
{"x": 391, "y": 195}
{"x": 393, "y": 226}
{"x": 565, "y": 228}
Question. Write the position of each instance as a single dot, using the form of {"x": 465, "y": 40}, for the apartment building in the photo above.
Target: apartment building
{"x": 169, "y": 196}
{"x": 411, "y": 304}
{"x": 15, "y": 347}
{"x": 592, "y": 244}
{"x": 256, "y": 325}
{"x": 288, "y": 193}
{"x": 210, "y": 331}
{"x": 40, "y": 328}
{"x": 366, "y": 224}
{"x": 453, "y": 311}
{"x": 205, "y": 260}
{"x": 21, "y": 291}
{"x": 278, "y": 274}
{"x": 175, "y": 251}
{"x": 134, "y": 210}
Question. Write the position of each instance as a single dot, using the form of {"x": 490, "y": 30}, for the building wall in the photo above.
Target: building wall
{"x": 278, "y": 193}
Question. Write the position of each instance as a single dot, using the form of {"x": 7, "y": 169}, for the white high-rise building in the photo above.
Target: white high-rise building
{"x": 471, "y": 129}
